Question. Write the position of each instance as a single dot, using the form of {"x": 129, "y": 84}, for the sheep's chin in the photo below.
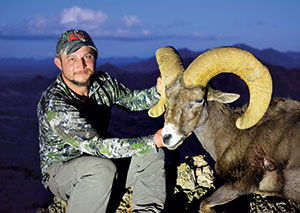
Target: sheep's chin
{"x": 171, "y": 137}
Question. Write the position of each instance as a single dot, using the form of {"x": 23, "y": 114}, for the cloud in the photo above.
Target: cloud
{"x": 48, "y": 26}
{"x": 129, "y": 28}
{"x": 40, "y": 25}
{"x": 146, "y": 32}
{"x": 99, "y": 25}
{"x": 131, "y": 21}
{"x": 76, "y": 16}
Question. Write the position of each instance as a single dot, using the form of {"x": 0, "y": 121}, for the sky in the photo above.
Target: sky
{"x": 137, "y": 28}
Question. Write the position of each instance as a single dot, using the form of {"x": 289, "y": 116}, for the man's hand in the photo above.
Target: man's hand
{"x": 158, "y": 85}
{"x": 158, "y": 138}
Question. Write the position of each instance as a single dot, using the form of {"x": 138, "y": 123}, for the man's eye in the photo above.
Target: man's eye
{"x": 88, "y": 56}
{"x": 199, "y": 101}
{"x": 71, "y": 59}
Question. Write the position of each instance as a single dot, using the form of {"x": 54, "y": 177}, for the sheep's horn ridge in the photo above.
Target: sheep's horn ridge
{"x": 170, "y": 66}
{"x": 241, "y": 63}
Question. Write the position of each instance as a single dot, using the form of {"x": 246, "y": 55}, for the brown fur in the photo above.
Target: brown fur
{"x": 265, "y": 156}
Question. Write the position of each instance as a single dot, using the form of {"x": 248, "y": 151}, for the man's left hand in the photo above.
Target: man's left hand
{"x": 158, "y": 85}
{"x": 158, "y": 138}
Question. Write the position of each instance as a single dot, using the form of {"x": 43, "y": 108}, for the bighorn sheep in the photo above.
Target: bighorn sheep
{"x": 256, "y": 148}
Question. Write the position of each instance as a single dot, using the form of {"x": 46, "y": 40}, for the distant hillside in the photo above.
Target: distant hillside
{"x": 119, "y": 60}
{"x": 29, "y": 66}
{"x": 287, "y": 60}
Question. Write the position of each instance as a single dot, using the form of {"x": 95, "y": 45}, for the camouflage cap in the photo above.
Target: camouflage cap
{"x": 72, "y": 40}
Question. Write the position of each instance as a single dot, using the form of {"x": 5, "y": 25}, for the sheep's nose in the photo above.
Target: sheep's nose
{"x": 166, "y": 139}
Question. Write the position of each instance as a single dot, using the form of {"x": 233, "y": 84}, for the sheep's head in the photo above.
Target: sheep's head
{"x": 186, "y": 92}
{"x": 188, "y": 109}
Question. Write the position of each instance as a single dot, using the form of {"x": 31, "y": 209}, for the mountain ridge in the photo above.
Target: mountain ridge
{"x": 288, "y": 60}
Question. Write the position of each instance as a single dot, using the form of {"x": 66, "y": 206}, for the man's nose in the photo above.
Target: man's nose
{"x": 81, "y": 63}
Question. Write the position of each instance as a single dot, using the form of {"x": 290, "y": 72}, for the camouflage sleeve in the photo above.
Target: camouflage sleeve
{"x": 134, "y": 100}
{"x": 77, "y": 132}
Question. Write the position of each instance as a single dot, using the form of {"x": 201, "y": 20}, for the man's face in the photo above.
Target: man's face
{"x": 77, "y": 67}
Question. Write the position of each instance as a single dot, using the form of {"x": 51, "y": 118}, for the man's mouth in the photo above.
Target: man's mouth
{"x": 83, "y": 72}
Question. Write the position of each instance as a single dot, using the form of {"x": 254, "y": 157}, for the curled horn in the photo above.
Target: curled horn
{"x": 241, "y": 63}
{"x": 170, "y": 66}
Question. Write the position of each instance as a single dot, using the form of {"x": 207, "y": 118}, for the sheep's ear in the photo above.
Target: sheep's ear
{"x": 223, "y": 97}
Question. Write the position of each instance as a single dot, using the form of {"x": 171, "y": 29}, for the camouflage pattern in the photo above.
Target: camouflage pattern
{"x": 65, "y": 133}
{"x": 72, "y": 40}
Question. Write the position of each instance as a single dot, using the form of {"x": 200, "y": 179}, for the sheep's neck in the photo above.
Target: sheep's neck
{"x": 216, "y": 133}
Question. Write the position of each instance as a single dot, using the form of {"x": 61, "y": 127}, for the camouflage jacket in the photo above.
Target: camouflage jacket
{"x": 70, "y": 127}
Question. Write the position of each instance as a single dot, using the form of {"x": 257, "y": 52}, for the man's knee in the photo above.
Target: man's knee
{"x": 100, "y": 167}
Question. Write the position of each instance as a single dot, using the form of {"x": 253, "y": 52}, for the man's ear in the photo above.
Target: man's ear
{"x": 57, "y": 62}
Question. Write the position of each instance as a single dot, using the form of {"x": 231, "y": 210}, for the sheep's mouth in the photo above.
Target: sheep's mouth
{"x": 174, "y": 146}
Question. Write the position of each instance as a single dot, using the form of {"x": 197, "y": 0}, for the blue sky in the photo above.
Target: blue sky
{"x": 138, "y": 27}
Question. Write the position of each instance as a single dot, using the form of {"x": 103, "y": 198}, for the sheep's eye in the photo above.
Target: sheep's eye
{"x": 199, "y": 101}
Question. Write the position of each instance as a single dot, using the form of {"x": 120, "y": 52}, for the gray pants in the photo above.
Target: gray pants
{"x": 86, "y": 182}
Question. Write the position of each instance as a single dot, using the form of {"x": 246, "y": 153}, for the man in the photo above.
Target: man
{"x": 75, "y": 147}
